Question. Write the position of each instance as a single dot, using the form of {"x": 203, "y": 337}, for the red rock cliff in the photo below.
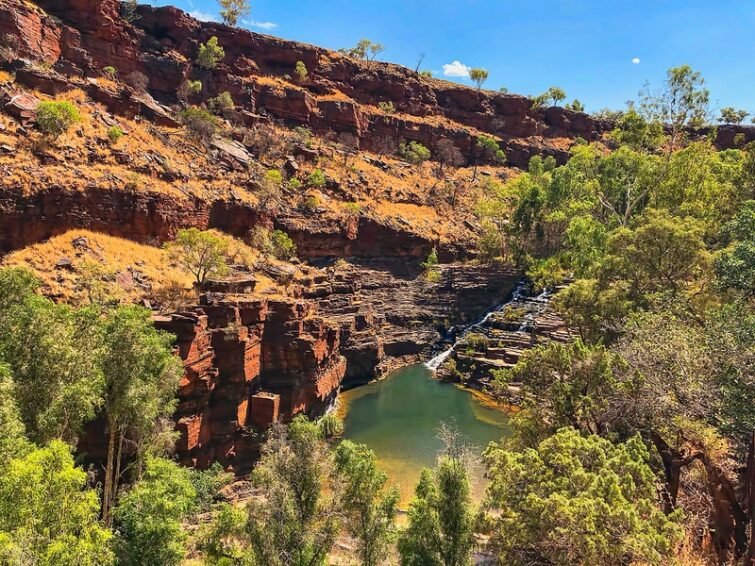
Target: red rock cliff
{"x": 339, "y": 95}
{"x": 249, "y": 362}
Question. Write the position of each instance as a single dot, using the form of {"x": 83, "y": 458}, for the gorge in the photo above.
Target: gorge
{"x": 245, "y": 281}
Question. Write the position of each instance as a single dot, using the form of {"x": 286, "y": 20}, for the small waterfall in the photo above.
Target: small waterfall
{"x": 438, "y": 360}
{"x": 542, "y": 301}
{"x": 518, "y": 295}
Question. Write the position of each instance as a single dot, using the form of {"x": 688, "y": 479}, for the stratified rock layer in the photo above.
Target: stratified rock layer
{"x": 340, "y": 94}
{"x": 249, "y": 362}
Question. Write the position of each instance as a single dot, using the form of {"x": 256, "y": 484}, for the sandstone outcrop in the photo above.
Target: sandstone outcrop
{"x": 340, "y": 94}
{"x": 390, "y": 314}
{"x": 249, "y": 362}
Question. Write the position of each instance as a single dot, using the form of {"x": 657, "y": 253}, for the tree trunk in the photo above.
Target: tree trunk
{"x": 728, "y": 518}
{"x": 673, "y": 462}
{"x": 108, "y": 487}
{"x": 117, "y": 472}
{"x": 750, "y": 500}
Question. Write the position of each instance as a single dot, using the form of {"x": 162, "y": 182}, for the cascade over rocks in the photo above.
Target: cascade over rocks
{"x": 251, "y": 360}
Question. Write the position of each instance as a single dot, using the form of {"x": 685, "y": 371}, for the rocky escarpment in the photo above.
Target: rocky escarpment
{"x": 339, "y": 95}
{"x": 154, "y": 217}
{"x": 523, "y": 323}
{"x": 252, "y": 360}
{"x": 249, "y": 362}
{"x": 390, "y": 313}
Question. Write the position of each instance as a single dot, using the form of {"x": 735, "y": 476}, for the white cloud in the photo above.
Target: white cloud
{"x": 456, "y": 69}
{"x": 203, "y": 16}
{"x": 636, "y": 60}
{"x": 261, "y": 25}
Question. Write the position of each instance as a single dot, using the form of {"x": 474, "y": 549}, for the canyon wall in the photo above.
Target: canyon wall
{"x": 340, "y": 94}
{"x": 249, "y": 362}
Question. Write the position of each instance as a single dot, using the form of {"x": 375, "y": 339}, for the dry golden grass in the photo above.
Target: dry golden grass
{"x": 114, "y": 259}
{"x": 115, "y": 267}
{"x": 83, "y": 158}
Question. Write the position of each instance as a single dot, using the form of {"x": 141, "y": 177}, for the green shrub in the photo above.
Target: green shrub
{"x": 316, "y": 179}
{"x": 207, "y": 483}
{"x": 387, "y": 107}
{"x": 476, "y": 342}
{"x": 193, "y": 87}
{"x": 221, "y": 102}
{"x": 114, "y": 133}
{"x": 295, "y": 184}
{"x": 275, "y": 243}
{"x": 353, "y": 208}
{"x": 413, "y": 152}
{"x": 488, "y": 148}
{"x": 110, "y": 72}
{"x": 274, "y": 176}
{"x": 149, "y": 515}
{"x": 330, "y": 426}
{"x": 281, "y": 245}
{"x": 56, "y": 117}
{"x": 200, "y": 123}
{"x": 432, "y": 260}
{"x": 300, "y": 70}
{"x": 210, "y": 54}
{"x": 303, "y": 136}
{"x": 310, "y": 204}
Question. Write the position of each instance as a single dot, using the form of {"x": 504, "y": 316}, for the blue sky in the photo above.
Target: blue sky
{"x": 586, "y": 47}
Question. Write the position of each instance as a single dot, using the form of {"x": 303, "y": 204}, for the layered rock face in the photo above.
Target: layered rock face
{"x": 339, "y": 95}
{"x": 522, "y": 324}
{"x": 249, "y": 362}
{"x": 391, "y": 314}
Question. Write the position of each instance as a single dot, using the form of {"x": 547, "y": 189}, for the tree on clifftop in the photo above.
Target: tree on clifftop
{"x": 478, "y": 76}
{"x": 365, "y": 49}
{"x": 201, "y": 253}
{"x": 682, "y": 102}
{"x": 730, "y": 115}
{"x": 232, "y": 10}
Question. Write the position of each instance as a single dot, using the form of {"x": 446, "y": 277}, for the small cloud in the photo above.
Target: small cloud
{"x": 456, "y": 69}
{"x": 261, "y": 25}
{"x": 636, "y": 60}
{"x": 203, "y": 16}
